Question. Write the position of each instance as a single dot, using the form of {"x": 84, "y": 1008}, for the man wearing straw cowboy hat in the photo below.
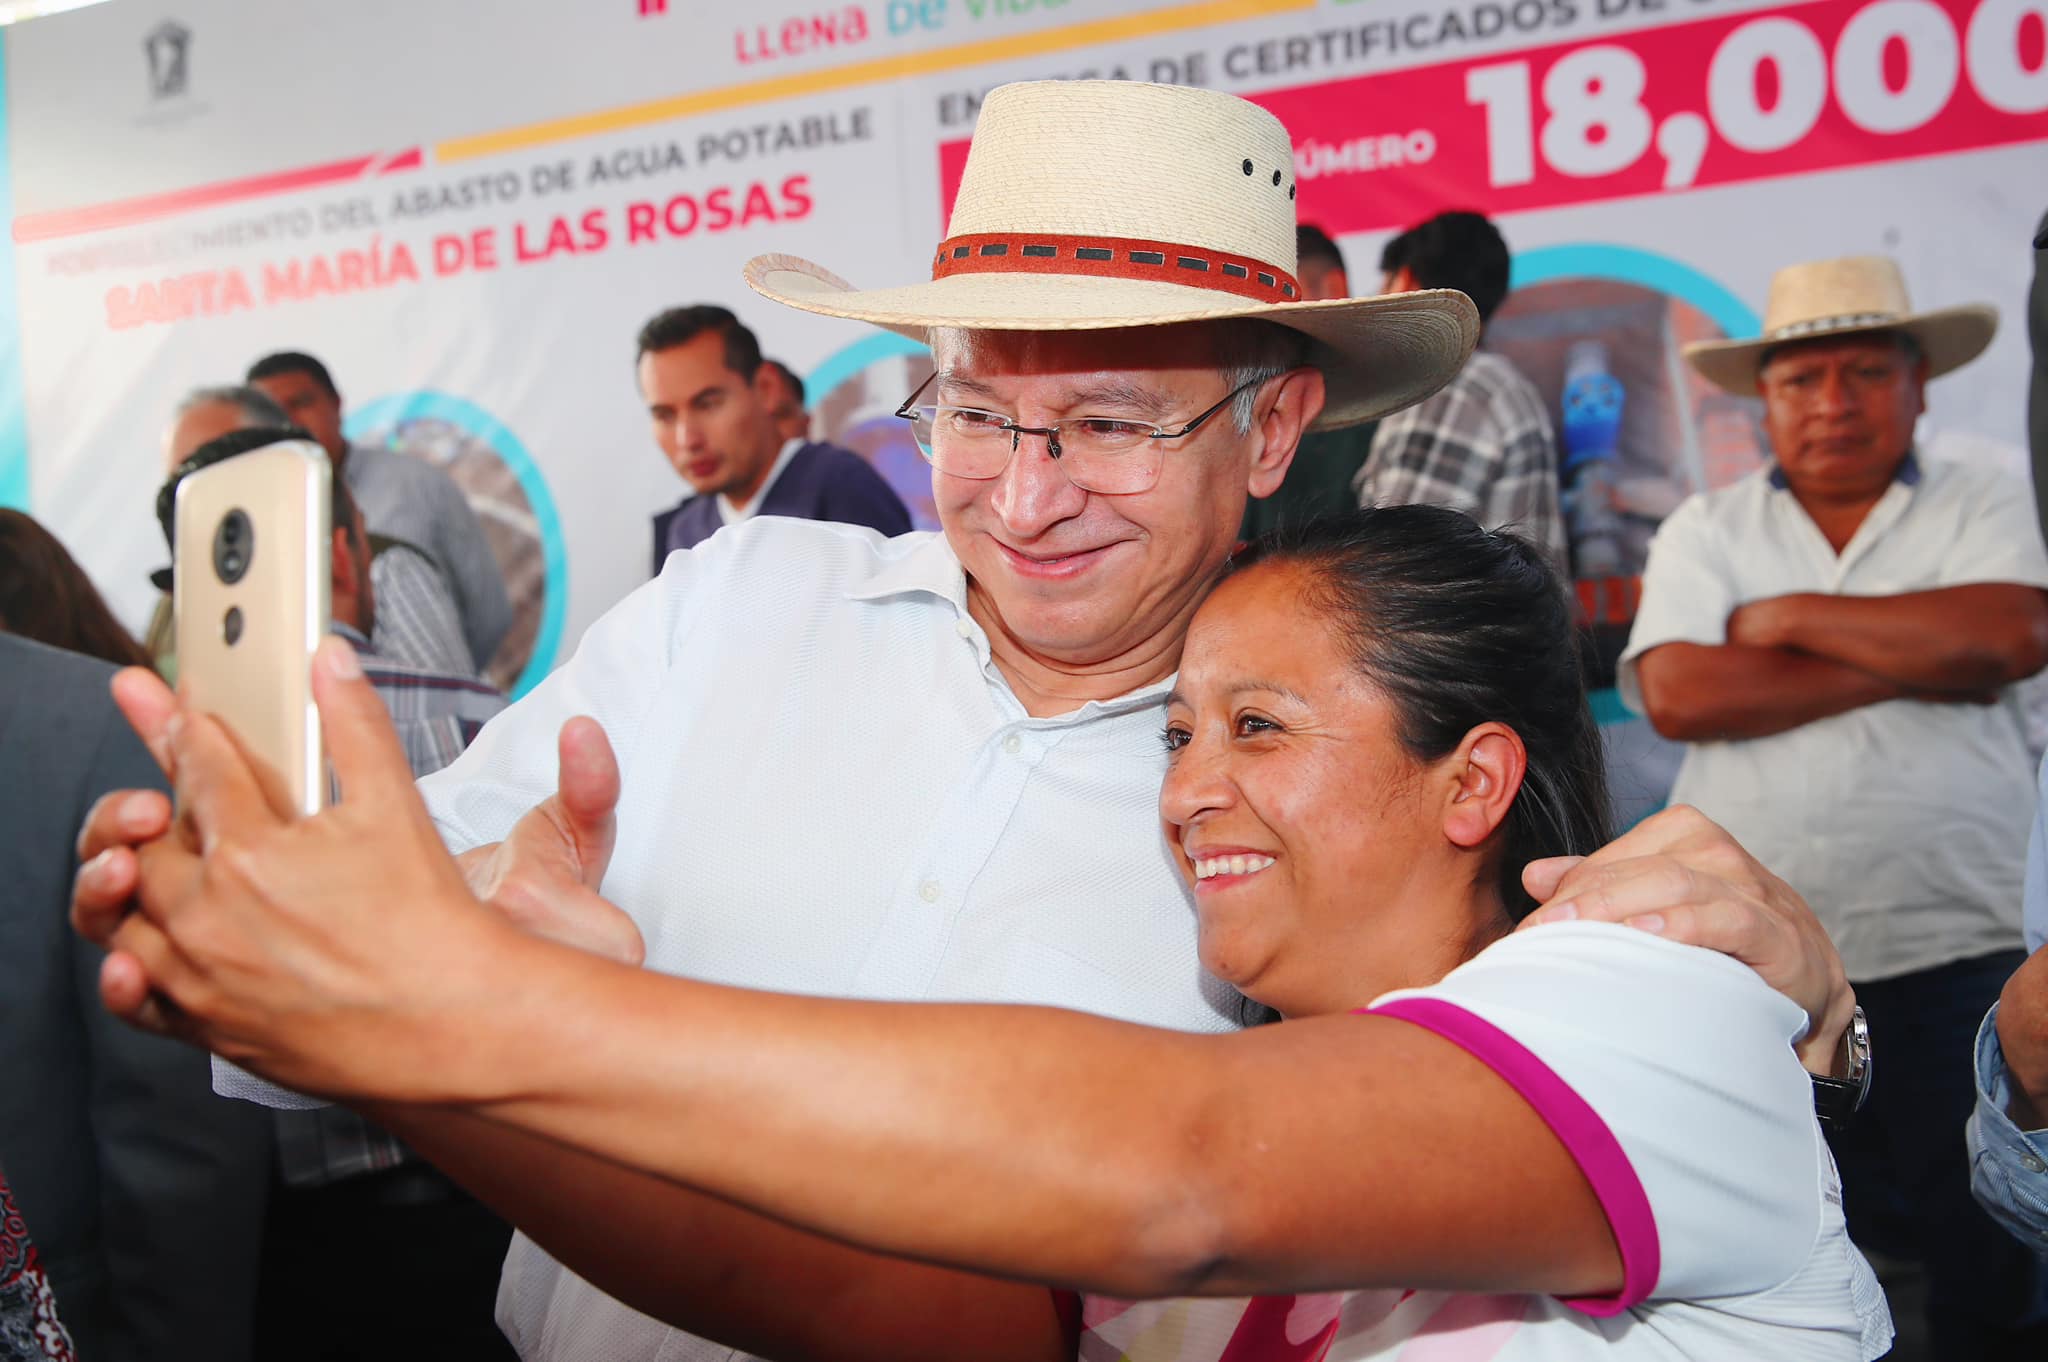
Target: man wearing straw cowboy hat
{"x": 1835, "y": 635}
{"x": 927, "y": 767}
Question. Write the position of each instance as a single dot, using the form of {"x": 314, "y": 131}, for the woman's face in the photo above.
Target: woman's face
{"x": 1314, "y": 842}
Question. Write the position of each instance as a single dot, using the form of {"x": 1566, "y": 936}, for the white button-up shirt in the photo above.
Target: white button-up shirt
{"x": 1904, "y": 823}
{"x": 829, "y": 788}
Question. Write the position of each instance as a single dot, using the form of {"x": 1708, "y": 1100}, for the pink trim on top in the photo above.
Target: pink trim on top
{"x": 1584, "y": 1135}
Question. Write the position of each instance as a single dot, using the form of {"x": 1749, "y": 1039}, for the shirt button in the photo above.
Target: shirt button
{"x": 2033, "y": 1164}
{"x": 929, "y": 891}
{"x": 1013, "y": 744}
{"x": 964, "y": 627}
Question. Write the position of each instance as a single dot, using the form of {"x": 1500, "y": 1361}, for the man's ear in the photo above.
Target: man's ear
{"x": 1487, "y": 771}
{"x": 1297, "y": 401}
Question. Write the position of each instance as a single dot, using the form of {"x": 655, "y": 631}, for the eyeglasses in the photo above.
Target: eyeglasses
{"x": 1098, "y": 453}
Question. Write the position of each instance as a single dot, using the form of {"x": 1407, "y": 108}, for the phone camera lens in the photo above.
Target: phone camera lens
{"x": 234, "y": 543}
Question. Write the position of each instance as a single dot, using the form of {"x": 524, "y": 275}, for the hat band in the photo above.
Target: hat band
{"x": 1837, "y": 323}
{"x": 1115, "y": 257}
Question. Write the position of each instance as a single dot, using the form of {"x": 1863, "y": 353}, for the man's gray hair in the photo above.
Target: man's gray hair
{"x": 258, "y": 408}
{"x": 1254, "y": 351}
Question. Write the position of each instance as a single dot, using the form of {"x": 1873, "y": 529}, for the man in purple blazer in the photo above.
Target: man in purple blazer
{"x": 712, "y": 403}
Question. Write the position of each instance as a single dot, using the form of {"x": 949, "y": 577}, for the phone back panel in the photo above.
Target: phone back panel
{"x": 245, "y": 647}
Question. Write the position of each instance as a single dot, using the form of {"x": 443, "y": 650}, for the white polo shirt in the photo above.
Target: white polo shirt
{"x": 1667, "y": 1073}
{"x": 830, "y": 789}
{"x": 1904, "y": 824}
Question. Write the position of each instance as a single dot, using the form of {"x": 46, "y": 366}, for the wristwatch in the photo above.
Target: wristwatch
{"x": 1837, "y": 1100}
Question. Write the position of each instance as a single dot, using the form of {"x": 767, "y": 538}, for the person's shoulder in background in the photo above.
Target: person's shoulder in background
{"x": 143, "y": 1190}
{"x": 850, "y": 489}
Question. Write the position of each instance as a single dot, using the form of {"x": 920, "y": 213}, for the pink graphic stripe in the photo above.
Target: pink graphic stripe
{"x": 1467, "y": 1329}
{"x": 150, "y": 207}
{"x": 1268, "y": 1331}
{"x": 1591, "y": 1144}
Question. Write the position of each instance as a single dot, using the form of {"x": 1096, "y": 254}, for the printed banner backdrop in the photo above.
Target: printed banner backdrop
{"x": 468, "y": 209}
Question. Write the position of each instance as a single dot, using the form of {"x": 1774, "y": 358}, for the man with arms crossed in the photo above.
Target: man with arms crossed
{"x": 949, "y": 790}
{"x": 1834, "y": 635}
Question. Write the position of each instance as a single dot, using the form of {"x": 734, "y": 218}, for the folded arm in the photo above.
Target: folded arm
{"x": 1698, "y": 692}
{"x": 1959, "y": 638}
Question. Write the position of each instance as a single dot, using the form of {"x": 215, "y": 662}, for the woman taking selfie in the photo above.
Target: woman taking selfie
{"x": 1462, "y": 1142}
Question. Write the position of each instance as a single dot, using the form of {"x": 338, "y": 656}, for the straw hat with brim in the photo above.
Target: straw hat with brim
{"x": 1087, "y": 205}
{"x": 1858, "y": 293}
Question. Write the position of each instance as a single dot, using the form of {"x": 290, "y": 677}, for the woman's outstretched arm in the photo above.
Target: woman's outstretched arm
{"x": 1051, "y": 1145}
{"x": 1045, "y": 1145}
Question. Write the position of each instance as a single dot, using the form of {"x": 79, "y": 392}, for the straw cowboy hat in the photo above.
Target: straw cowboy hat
{"x": 1094, "y": 204}
{"x": 1859, "y": 293}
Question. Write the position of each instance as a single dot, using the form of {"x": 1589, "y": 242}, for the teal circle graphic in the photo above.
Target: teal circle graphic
{"x": 399, "y": 408}
{"x": 1599, "y": 260}
{"x": 1628, "y": 264}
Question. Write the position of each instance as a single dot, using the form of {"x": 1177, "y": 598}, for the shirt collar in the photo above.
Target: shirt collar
{"x": 731, "y": 514}
{"x": 1908, "y": 474}
{"x": 929, "y": 569}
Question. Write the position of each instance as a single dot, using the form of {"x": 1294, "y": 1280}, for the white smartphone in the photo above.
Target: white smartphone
{"x": 250, "y": 581}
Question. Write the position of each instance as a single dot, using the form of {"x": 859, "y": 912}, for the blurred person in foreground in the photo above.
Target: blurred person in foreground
{"x": 143, "y": 1190}
{"x": 2009, "y": 1130}
{"x": 1836, "y": 637}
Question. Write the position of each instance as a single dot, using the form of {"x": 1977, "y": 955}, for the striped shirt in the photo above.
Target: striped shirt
{"x": 417, "y": 622}
{"x": 414, "y": 499}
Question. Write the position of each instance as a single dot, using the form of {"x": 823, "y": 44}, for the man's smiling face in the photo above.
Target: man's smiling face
{"x": 1081, "y": 578}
